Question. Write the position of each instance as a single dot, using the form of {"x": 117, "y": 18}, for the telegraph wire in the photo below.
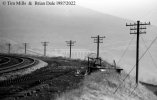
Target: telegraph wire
{"x": 126, "y": 49}
{"x": 135, "y": 64}
{"x": 149, "y": 53}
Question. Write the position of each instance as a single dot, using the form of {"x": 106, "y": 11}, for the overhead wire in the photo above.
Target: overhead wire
{"x": 121, "y": 59}
{"x": 149, "y": 53}
{"x": 148, "y": 48}
{"x": 126, "y": 49}
{"x": 135, "y": 64}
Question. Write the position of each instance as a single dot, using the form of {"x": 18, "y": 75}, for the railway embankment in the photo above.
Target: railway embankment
{"x": 108, "y": 85}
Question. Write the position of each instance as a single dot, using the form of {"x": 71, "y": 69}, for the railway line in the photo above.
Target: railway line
{"x": 37, "y": 77}
{"x": 12, "y": 61}
{"x": 32, "y": 80}
{"x": 4, "y": 60}
{"x": 54, "y": 76}
{"x": 16, "y": 63}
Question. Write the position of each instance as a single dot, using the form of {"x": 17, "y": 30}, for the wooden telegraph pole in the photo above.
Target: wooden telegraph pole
{"x": 98, "y": 40}
{"x": 70, "y": 44}
{"x": 136, "y": 27}
{"x": 45, "y": 44}
{"x": 9, "y": 47}
{"x": 25, "y": 44}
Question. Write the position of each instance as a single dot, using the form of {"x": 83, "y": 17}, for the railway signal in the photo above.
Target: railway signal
{"x": 70, "y": 44}
{"x": 98, "y": 40}
{"x": 45, "y": 44}
{"x": 136, "y": 28}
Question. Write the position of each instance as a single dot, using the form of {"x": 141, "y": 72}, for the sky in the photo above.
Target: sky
{"x": 144, "y": 10}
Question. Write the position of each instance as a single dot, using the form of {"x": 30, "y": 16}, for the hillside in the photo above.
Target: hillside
{"x": 102, "y": 86}
{"x": 57, "y": 24}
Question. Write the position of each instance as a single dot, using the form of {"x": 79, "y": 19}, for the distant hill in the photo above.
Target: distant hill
{"x": 57, "y": 24}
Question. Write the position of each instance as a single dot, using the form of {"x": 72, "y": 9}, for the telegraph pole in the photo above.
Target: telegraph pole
{"x": 98, "y": 40}
{"x": 136, "y": 28}
{"x": 9, "y": 46}
{"x": 44, "y": 44}
{"x": 70, "y": 44}
{"x": 25, "y": 44}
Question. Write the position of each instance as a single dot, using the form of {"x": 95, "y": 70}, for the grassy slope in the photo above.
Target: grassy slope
{"x": 101, "y": 86}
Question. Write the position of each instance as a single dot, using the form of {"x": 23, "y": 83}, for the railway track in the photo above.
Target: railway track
{"x": 11, "y": 64}
{"x": 29, "y": 81}
{"x": 35, "y": 79}
{"x": 17, "y": 63}
{"x": 50, "y": 80}
{"x": 4, "y": 60}
{"x": 12, "y": 61}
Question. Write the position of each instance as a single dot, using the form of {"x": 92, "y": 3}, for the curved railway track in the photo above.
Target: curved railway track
{"x": 53, "y": 76}
{"x": 17, "y": 63}
{"x": 4, "y": 60}
{"x": 11, "y": 62}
